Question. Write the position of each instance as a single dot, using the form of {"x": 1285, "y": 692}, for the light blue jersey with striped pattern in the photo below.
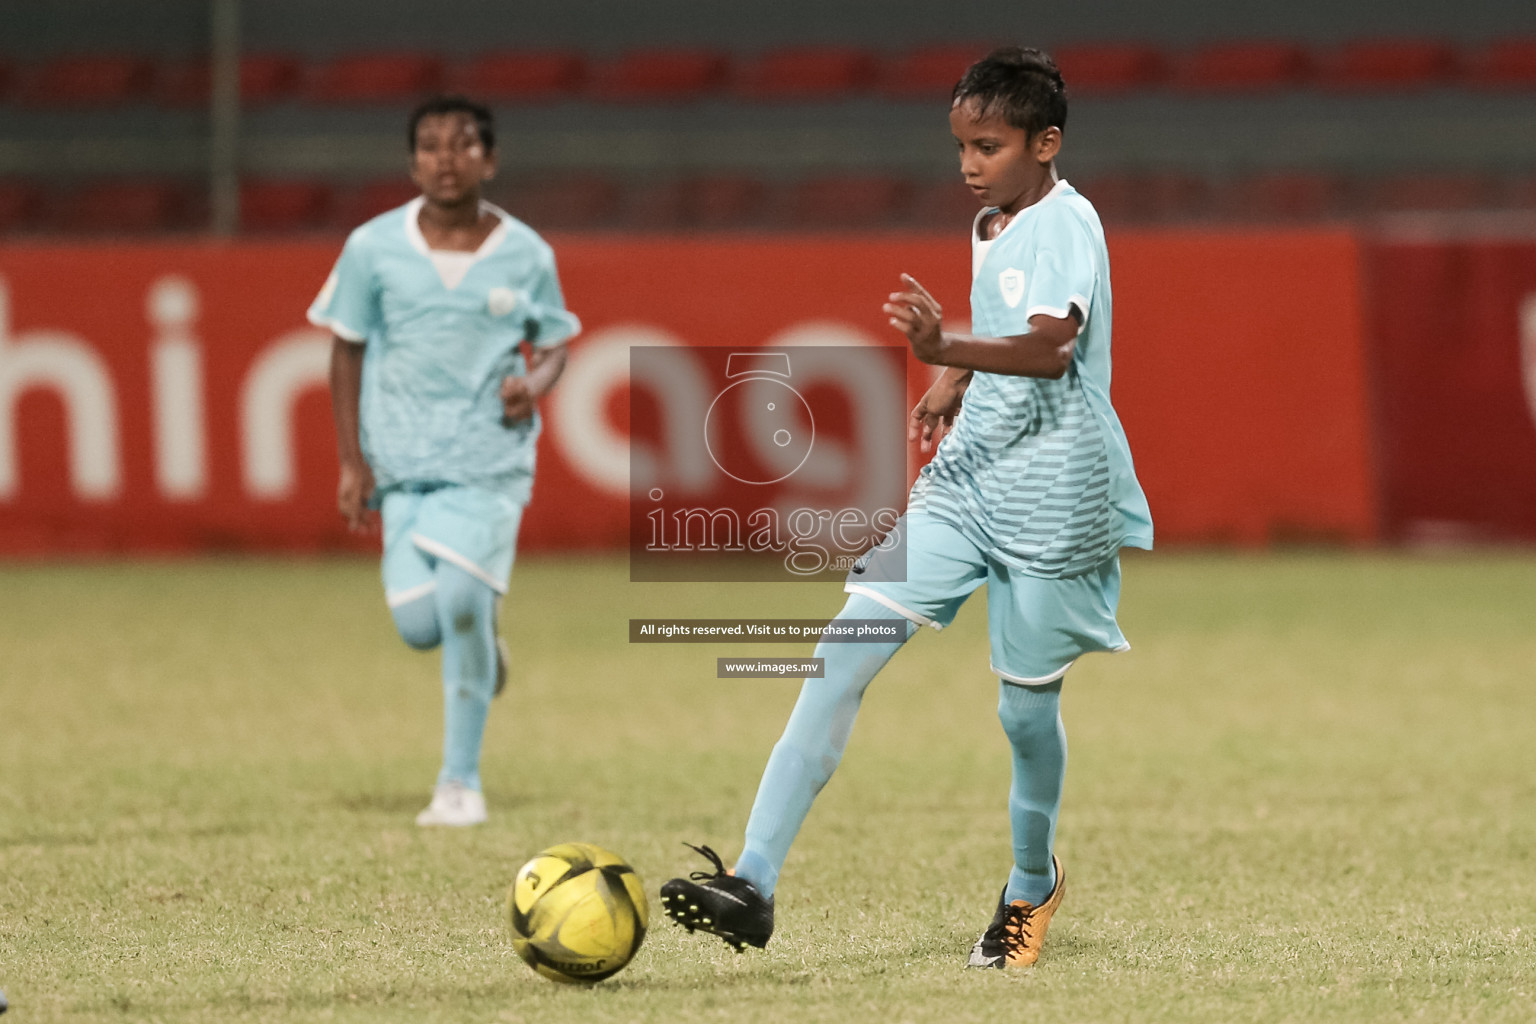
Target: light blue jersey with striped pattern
{"x": 442, "y": 330}
{"x": 1038, "y": 472}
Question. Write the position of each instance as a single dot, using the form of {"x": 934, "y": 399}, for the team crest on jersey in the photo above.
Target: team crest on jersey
{"x": 1011, "y": 283}
{"x": 501, "y": 301}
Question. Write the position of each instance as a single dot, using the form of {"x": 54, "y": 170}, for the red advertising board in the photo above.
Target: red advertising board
{"x": 171, "y": 397}
{"x": 1240, "y": 373}
{"x": 1454, "y": 329}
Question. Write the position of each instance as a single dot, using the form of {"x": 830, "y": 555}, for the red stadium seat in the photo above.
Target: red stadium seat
{"x": 87, "y": 81}
{"x": 656, "y": 205}
{"x": 1385, "y": 64}
{"x": 726, "y": 201}
{"x": 1429, "y": 192}
{"x": 283, "y": 205}
{"x": 567, "y": 202}
{"x": 18, "y": 205}
{"x": 928, "y": 73}
{"x": 1114, "y": 196}
{"x": 1110, "y": 68}
{"x": 268, "y": 78}
{"x": 374, "y": 78}
{"x": 7, "y": 77}
{"x": 182, "y": 83}
{"x": 355, "y": 203}
{"x": 1285, "y": 196}
{"x": 805, "y": 73}
{"x": 120, "y": 207}
{"x": 1518, "y": 194}
{"x": 685, "y": 204}
{"x": 264, "y": 78}
{"x": 710, "y": 203}
{"x": 1178, "y": 197}
{"x": 660, "y": 75}
{"x": 1242, "y": 67}
{"x": 1149, "y": 197}
{"x": 945, "y": 205}
{"x": 520, "y": 77}
{"x": 1504, "y": 64}
{"x": 848, "y": 201}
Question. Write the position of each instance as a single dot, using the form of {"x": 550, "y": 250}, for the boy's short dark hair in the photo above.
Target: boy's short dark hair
{"x": 454, "y": 104}
{"x": 1021, "y": 83}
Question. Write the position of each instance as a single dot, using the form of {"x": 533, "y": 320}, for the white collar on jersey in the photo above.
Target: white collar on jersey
{"x": 452, "y": 264}
{"x": 976, "y": 239}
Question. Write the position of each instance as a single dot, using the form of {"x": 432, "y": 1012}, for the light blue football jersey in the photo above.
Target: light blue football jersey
{"x": 438, "y": 348}
{"x": 1038, "y": 472}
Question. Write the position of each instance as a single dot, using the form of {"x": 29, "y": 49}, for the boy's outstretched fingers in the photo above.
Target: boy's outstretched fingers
{"x": 914, "y": 285}
{"x": 914, "y": 306}
{"x": 908, "y": 312}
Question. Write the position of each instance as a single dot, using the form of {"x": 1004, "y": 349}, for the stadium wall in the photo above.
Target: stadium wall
{"x": 170, "y": 397}
{"x": 1453, "y": 333}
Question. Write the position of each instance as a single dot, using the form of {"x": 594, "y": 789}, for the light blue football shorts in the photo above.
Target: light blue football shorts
{"x": 470, "y": 527}
{"x": 1039, "y": 627}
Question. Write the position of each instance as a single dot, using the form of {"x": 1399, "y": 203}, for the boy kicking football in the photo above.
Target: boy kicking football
{"x": 1031, "y": 492}
{"x": 431, "y": 306}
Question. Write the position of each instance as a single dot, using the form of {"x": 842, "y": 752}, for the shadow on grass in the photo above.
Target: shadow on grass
{"x": 471, "y": 999}
{"x": 763, "y": 975}
{"x": 401, "y": 802}
{"x": 119, "y": 834}
{"x": 263, "y": 1004}
{"x": 409, "y": 801}
{"x": 1071, "y": 947}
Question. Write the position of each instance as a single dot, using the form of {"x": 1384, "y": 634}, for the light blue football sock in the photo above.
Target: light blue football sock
{"x": 466, "y": 611}
{"x": 812, "y": 745}
{"x": 1031, "y": 716}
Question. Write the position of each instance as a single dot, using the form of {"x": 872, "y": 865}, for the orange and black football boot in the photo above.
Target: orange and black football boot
{"x": 1017, "y": 932}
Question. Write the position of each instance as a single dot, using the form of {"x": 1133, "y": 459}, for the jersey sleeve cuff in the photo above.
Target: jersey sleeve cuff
{"x": 557, "y": 330}
{"x": 336, "y": 327}
{"x": 1061, "y": 312}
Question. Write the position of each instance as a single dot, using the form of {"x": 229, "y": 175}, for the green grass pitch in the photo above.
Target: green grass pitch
{"x": 1309, "y": 794}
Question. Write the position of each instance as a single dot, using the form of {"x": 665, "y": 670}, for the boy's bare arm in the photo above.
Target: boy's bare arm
{"x": 1046, "y": 351}
{"x": 355, "y": 485}
{"x": 520, "y": 395}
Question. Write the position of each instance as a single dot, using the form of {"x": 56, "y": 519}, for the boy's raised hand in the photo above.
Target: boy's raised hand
{"x": 919, "y": 316}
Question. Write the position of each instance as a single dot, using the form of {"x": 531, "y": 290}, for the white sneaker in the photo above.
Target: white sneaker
{"x": 455, "y": 804}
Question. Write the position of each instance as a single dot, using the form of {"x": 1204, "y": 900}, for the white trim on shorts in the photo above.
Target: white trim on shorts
{"x": 447, "y": 554}
{"x": 906, "y": 613}
{"x": 1009, "y": 677}
{"x": 397, "y": 598}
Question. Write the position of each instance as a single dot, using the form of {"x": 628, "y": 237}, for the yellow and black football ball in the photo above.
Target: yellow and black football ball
{"x": 578, "y": 913}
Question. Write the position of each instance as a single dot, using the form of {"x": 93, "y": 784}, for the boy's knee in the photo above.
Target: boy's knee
{"x": 466, "y": 604}
{"x": 1029, "y": 713}
{"x": 416, "y": 622}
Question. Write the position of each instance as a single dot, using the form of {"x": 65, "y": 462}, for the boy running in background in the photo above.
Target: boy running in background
{"x": 1031, "y": 492}
{"x": 435, "y": 403}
